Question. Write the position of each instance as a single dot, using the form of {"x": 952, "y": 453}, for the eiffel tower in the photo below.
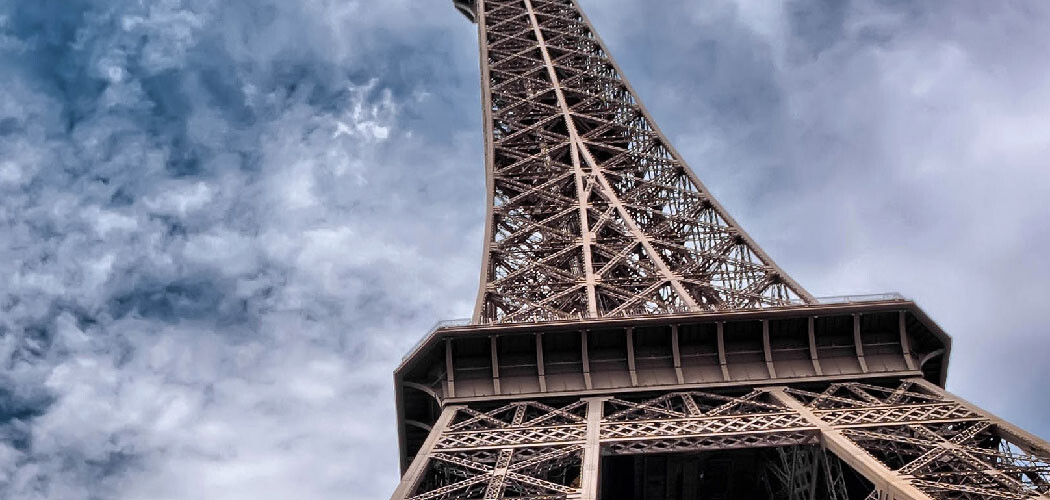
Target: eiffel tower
{"x": 631, "y": 341}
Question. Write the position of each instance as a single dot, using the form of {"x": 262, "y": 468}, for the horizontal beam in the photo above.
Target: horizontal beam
{"x": 686, "y": 387}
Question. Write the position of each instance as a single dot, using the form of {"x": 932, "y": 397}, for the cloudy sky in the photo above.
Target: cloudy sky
{"x": 223, "y": 221}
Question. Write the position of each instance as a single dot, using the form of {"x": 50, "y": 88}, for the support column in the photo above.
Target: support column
{"x": 630, "y": 356}
{"x": 541, "y": 370}
{"x": 902, "y": 325}
{"x": 592, "y": 449}
{"x": 495, "y": 364}
{"x": 414, "y": 474}
{"x": 450, "y": 372}
{"x": 585, "y": 358}
{"x": 677, "y": 355}
{"x": 893, "y": 485}
{"x": 768, "y": 351}
{"x": 859, "y": 344}
{"x": 722, "y": 351}
{"x": 813, "y": 346}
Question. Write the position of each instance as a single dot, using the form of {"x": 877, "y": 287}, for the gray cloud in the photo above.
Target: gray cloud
{"x": 897, "y": 146}
{"x": 215, "y": 243}
{"x": 223, "y": 222}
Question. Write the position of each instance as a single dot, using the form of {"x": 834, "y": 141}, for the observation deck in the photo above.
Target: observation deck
{"x": 838, "y": 339}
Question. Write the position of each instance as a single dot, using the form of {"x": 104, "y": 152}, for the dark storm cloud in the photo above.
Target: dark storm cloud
{"x": 223, "y": 221}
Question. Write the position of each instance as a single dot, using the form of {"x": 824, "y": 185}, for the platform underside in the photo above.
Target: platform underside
{"x": 906, "y": 439}
{"x": 889, "y": 340}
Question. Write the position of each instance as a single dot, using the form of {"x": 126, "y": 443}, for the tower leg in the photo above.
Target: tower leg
{"x": 1019, "y": 437}
{"x": 414, "y": 474}
{"x": 591, "y": 450}
{"x": 918, "y": 441}
{"x": 894, "y": 485}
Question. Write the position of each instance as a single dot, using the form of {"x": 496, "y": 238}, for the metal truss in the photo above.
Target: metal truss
{"x": 699, "y": 421}
{"x": 591, "y": 211}
{"x": 917, "y": 441}
{"x": 911, "y": 441}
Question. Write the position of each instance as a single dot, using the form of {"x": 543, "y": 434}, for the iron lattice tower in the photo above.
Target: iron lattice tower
{"x": 630, "y": 340}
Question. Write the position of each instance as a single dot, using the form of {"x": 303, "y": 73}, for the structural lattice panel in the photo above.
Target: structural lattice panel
{"x": 911, "y": 441}
{"x": 592, "y": 212}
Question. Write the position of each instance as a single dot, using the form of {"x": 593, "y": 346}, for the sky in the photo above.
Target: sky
{"x": 222, "y": 222}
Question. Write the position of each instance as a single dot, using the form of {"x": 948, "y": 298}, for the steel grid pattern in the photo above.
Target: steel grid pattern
{"x": 701, "y": 421}
{"x": 940, "y": 446}
{"x": 592, "y": 212}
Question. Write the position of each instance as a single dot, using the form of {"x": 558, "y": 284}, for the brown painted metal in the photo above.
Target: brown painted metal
{"x": 621, "y": 311}
{"x": 591, "y": 211}
{"x": 912, "y": 441}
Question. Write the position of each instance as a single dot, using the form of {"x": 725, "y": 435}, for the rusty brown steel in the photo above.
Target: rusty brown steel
{"x": 591, "y": 211}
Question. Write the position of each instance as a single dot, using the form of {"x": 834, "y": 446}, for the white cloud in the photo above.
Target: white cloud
{"x": 204, "y": 281}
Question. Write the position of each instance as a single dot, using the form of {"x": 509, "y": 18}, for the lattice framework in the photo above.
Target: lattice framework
{"x": 912, "y": 435}
{"x": 592, "y": 212}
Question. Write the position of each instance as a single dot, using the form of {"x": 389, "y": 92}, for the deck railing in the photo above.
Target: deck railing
{"x": 820, "y": 301}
